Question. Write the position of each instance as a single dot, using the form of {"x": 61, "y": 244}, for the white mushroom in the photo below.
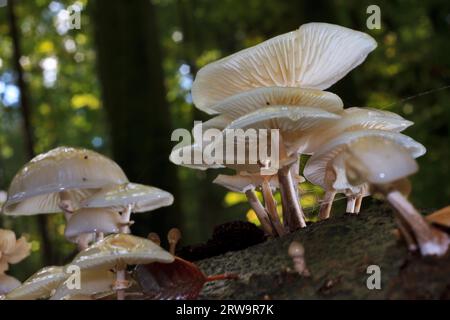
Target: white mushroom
{"x": 249, "y": 101}
{"x": 116, "y": 252}
{"x": 382, "y": 159}
{"x": 128, "y": 198}
{"x": 89, "y": 224}
{"x": 294, "y": 125}
{"x": 356, "y": 119}
{"x": 58, "y": 180}
{"x": 316, "y": 56}
{"x": 327, "y": 168}
{"x": 40, "y": 285}
{"x": 93, "y": 283}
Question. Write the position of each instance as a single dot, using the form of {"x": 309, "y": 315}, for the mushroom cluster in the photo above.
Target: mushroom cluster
{"x": 97, "y": 200}
{"x": 278, "y": 84}
{"x": 102, "y": 271}
{"x": 93, "y": 192}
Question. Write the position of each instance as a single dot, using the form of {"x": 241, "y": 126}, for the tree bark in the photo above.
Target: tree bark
{"x": 338, "y": 253}
{"x": 134, "y": 97}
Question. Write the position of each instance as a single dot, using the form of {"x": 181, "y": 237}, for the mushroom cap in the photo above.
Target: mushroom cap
{"x": 119, "y": 249}
{"x": 315, "y": 56}
{"x": 369, "y": 118}
{"x": 91, "y": 220}
{"x": 92, "y": 282}
{"x": 440, "y": 217}
{"x": 294, "y": 123}
{"x": 194, "y": 151}
{"x": 355, "y": 118}
{"x": 246, "y": 102}
{"x": 318, "y": 165}
{"x": 142, "y": 198}
{"x": 40, "y": 285}
{"x": 296, "y": 249}
{"x": 244, "y": 182}
{"x": 379, "y": 161}
{"x": 35, "y": 188}
{"x": 8, "y": 283}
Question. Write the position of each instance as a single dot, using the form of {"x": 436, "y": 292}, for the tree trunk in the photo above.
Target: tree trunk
{"x": 27, "y": 129}
{"x": 134, "y": 97}
{"x": 343, "y": 254}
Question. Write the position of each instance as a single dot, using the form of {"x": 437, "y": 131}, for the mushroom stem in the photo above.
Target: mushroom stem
{"x": 431, "y": 241}
{"x": 351, "y": 203}
{"x": 271, "y": 206}
{"x": 409, "y": 239}
{"x": 66, "y": 204}
{"x": 121, "y": 280}
{"x": 358, "y": 203}
{"x": 291, "y": 206}
{"x": 260, "y": 211}
{"x": 83, "y": 241}
{"x": 126, "y": 219}
{"x": 99, "y": 236}
{"x": 327, "y": 203}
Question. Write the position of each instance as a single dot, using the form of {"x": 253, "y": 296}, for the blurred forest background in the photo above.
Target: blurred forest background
{"x": 120, "y": 84}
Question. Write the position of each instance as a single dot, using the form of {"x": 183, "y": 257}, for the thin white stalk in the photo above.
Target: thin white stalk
{"x": 292, "y": 201}
{"x": 351, "y": 202}
{"x": 409, "y": 239}
{"x": 431, "y": 241}
{"x": 66, "y": 204}
{"x": 327, "y": 203}
{"x": 121, "y": 280}
{"x": 358, "y": 203}
{"x": 126, "y": 219}
{"x": 260, "y": 211}
{"x": 271, "y": 207}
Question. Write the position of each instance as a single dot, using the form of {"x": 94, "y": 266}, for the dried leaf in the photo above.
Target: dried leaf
{"x": 179, "y": 280}
{"x": 440, "y": 217}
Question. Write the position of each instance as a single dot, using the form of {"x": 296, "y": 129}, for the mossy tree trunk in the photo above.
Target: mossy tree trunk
{"x": 338, "y": 253}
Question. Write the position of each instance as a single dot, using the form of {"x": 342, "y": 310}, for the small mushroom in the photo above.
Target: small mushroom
{"x": 40, "y": 285}
{"x": 128, "y": 198}
{"x": 173, "y": 236}
{"x": 316, "y": 56}
{"x": 93, "y": 283}
{"x": 116, "y": 252}
{"x": 297, "y": 252}
{"x": 154, "y": 237}
{"x": 90, "y": 224}
{"x": 58, "y": 180}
